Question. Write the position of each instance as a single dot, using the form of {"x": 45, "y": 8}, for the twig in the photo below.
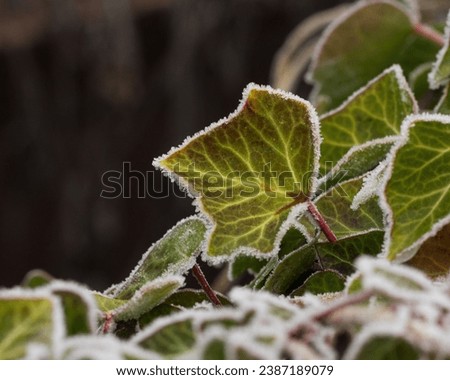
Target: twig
{"x": 196, "y": 270}
{"x": 321, "y": 222}
{"x": 429, "y": 33}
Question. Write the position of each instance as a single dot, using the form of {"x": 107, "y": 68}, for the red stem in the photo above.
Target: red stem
{"x": 108, "y": 322}
{"x": 429, "y": 33}
{"x": 321, "y": 222}
{"x": 196, "y": 270}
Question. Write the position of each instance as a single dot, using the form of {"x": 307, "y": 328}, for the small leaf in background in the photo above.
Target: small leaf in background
{"x": 327, "y": 281}
{"x": 417, "y": 194}
{"x": 433, "y": 256}
{"x": 387, "y": 348}
{"x": 290, "y": 272}
{"x": 294, "y": 268}
{"x": 440, "y": 74}
{"x": 79, "y": 307}
{"x": 357, "y": 162}
{"x": 245, "y": 264}
{"x": 444, "y": 103}
{"x": 373, "y": 112}
{"x": 261, "y": 278}
{"x": 215, "y": 350}
{"x": 24, "y": 320}
{"x": 174, "y": 254}
{"x": 292, "y": 240}
{"x": 36, "y": 278}
{"x": 249, "y": 171}
{"x": 418, "y": 82}
{"x": 341, "y": 256}
{"x": 170, "y": 339}
{"x": 381, "y": 34}
{"x": 335, "y": 207}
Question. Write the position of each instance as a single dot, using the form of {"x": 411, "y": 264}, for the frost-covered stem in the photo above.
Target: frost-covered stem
{"x": 196, "y": 270}
{"x": 429, "y": 33}
{"x": 321, "y": 222}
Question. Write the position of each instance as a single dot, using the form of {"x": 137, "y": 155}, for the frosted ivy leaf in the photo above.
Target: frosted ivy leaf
{"x": 174, "y": 254}
{"x": 250, "y": 172}
{"x": 440, "y": 74}
{"x": 443, "y": 105}
{"x": 29, "y": 317}
{"x": 372, "y": 113}
{"x": 433, "y": 256}
{"x": 379, "y": 31}
{"x": 416, "y": 198}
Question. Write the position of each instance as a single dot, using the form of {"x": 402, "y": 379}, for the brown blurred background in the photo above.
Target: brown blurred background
{"x": 87, "y": 85}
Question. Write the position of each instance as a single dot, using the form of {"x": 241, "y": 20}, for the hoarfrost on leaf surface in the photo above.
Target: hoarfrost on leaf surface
{"x": 251, "y": 172}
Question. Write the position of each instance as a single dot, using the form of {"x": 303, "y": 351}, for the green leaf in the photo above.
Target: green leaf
{"x": 78, "y": 312}
{"x": 433, "y": 256}
{"x": 387, "y": 348}
{"x": 294, "y": 268}
{"x": 290, "y": 272}
{"x": 327, "y": 281}
{"x": 249, "y": 171}
{"x": 356, "y": 162}
{"x": 146, "y": 298}
{"x": 174, "y": 254}
{"x": 215, "y": 350}
{"x": 444, "y": 103}
{"x": 440, "y": 74}
{"x": 106, "y": 303}
{"x": 374, "y": 112}
{"x": 335, "y": 207}
{"x": 36, "y": 278}
{"x": 292, "y": 240}
{"x": 381, "y": 34}
{"x": 341, "y": 256}
{"x": 245, "y": 264}
{"x": 170, "y": 340}
{"x": 159, "y": 311}
{"x": 354, "y": 284}
{"x": 261, "y": 278}
{"x": 417, "y": 197}
{"x": 418, "y": 80}
{"x": 24, "y": 320}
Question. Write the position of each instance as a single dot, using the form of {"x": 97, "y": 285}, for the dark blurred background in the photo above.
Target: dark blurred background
{"x": 88, "y": 85}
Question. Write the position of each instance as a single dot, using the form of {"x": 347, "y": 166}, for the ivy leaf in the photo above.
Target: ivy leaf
{"x": 146, "y": 298}
{"x": 245, "y": 264}
{"x": 335, "y": 207}
{"x": 170, "y": 339}
{"x": 357, "y": 162}
{"x": 387, "y": 348}
{"x": 79, "y": 308}
{"x": 251, "y": 171}
{"x": 416, "y": 197}
{"x": 25, "y": 319}
{"x": 373, "y": 112}
{"x": 381, "y": 34}
{"x": 293, "y": 270}
{"x": 440, "y": 74}
{"x": 444, "y": 103}
{"x": 433, "y": 256}
{"x": 327, "y": 281}
{"x": 174, "y": 254}
{"x": 36, "y": 278}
